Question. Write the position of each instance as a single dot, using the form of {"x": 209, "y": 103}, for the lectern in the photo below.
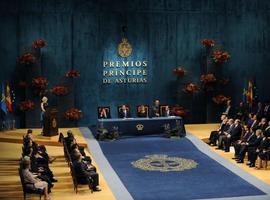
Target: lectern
{"x": 50, "y": 127}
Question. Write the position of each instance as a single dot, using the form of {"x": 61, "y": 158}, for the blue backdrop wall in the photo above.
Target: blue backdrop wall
{"x": 83, "y": 33}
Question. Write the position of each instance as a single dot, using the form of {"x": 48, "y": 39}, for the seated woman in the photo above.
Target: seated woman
{"x": 123, "y": 111}
{"x": 142, "y": 111}
{"x": 104, "y": 112}
{"x": 31, "y": 178}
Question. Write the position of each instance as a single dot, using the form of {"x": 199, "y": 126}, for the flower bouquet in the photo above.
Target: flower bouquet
{"x": 27, "y": 58}
{"x": 220, "y": 56}
{"x": 73, "y": 114}
{"x": 179, "y": 71}
{"x": 220, "y": 99}
{"x": 72, "y": 73}
{"x": 60, "y": 90}
{"x": 37, "y": 44}
{"x": 208, "y": 42}
{"x": 26, "y": 105}
{"x": 191, "y": 88}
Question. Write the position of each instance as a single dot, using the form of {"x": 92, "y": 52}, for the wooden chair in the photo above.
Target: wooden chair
{"x": 162, "y": 110}
{"x": 146, "y": 109}
{"x": 76, "y": 182}
{"x": 107, "y": 109}
{"x": 29, "y": 188}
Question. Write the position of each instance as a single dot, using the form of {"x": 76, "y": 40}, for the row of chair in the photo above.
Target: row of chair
{"x": 72, "y": 171}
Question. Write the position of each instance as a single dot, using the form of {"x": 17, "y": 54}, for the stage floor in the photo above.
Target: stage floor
{"x": 202, "y": 131}
{"x": 10, "y": 148}
{"x": 10, "y": 186}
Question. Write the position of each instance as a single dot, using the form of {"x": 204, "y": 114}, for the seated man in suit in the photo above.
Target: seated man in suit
{"x": 124, "y": 112}
{"x": 84, "y": 173}
{"x": 155, "y": 109}
{"x": 262, "y": 124}
{"x": 223, "y": 136}
{"x": 104, "y": 113}
{"x": 214, "y": 134}
{"x": 233, "y": 136}
{"x": 165, "y": 111}
{"x": 142, "y": 111}
{"x": 238, "y": 144}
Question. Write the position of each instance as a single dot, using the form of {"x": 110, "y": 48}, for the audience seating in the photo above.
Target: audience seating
{"x": 28, "y": 188}
{"x": 72, "y": 171}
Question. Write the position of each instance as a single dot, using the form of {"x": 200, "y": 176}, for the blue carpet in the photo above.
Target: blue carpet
{"x": 208, "y": 180}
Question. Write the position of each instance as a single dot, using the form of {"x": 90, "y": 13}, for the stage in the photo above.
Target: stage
{"x": 10, "y": 147}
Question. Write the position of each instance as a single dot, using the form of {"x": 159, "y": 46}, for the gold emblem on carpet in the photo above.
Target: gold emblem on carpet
{"x": 164, "y": 163}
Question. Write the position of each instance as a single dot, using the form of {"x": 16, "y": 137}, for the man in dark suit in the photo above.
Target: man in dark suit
{"x": 233, "y": 136}
{"x": 253, "y": 152}
{"x": 223, "y": 136}
{"x": 241, "y": 112}
{"x": 155, "y": 109}
{"x": 124, "y": 112}
{"x": 228, "y": 111}
{"x": 266, "y": 111}
{"x": 84, "y": 174}
{"x": 267, "y": 131}
{"x": 167, "y": 112}
{"x": 252, "y": 142}
{"x": 255, "y": 123}
{"x": 214, "y": 134}
{"x": 259, "y": 112}
{"x": 239, "y": 143}
{"x": 263, "y": 124}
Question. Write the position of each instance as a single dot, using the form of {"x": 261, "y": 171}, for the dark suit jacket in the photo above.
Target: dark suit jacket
{"x": 264, "y": 144}
{"x": 262, "y": 127}
{"x": 81, "y": 171}
{"x": 236, "y": 132}
{"x": 155, "y": 111}
{"x": 254, "y": 141}
{"x": 266, "y": 113}
{"x": 122, "y": 114}
{"x": 267, "y": 132}
{"x": 254, "y": 125}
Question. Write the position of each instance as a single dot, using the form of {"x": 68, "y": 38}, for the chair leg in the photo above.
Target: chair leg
{"x": 39, "y": 196}
{"x": 24, "y": 196}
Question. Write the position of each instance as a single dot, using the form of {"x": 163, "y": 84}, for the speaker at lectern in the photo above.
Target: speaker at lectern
{"x": 50, "y": 127}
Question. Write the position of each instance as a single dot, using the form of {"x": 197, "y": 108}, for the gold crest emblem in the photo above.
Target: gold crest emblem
{"x": 54, "y": 123}
{"x": 124, "y": 48}
{"x": 164, "y": 163}
{"x": 139, "y": 127}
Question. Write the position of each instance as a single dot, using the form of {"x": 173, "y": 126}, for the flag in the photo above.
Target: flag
{"x": 8, "y": 98}
{"x": 250, "y": 93}
{"x": 3, "y": 99}
{"x": 255, "y": 91}
{"x": 244, "y": 94}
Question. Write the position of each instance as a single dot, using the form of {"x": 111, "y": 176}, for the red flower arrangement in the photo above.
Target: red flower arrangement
{"x": 60, "y": 90}
{"x": 27, "y": 58}
{"x": 208, "y": 42}
{"x": 40, "y": 82}
{"x": 179, "y": 111}
{"x": 73, "y": 114}
{"x": 73, "y": 73}
{"x": 224, "y": 81}
{"x": 23, "y": 84}
{"x": 37, "y": 44}
{"x": 208, "y": 78}
{"x": 220, "y": 56}
{"x": 179, "y": 71}
{"x": 220, "y": 99}
{"x": 26, "y": 105}
{"x": 191, "y": 88}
